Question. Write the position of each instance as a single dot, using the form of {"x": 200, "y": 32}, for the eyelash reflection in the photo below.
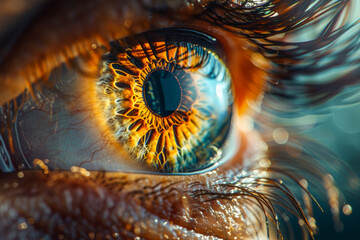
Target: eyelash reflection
{"x": 279, "y": 58}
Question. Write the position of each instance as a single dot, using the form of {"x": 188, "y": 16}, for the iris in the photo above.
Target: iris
{"x": 166, "y": 96}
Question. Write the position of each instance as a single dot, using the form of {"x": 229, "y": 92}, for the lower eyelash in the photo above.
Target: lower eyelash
{"x": 281, "y": 186}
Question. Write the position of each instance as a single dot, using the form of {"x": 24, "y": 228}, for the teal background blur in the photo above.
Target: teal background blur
{"x": 336, "y": 125}
{"x": 340, "y": 132}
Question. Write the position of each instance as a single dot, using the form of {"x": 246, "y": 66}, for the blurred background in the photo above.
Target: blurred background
{"x": 340, "y": 132}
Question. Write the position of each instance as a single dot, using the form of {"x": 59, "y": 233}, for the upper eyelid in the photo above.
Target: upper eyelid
{"x": 36, "y": 57}
{"x": 46, "y": 43}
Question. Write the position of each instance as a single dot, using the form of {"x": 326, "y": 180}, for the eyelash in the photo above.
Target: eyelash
{"x": 283, "y": 87}
{"x": 267, "y": 48}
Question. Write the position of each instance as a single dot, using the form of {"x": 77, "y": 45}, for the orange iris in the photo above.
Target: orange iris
{"x": 168, "y": 103}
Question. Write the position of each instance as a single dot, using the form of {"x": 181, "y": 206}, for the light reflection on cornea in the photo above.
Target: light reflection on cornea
{"x": 251, "y": 3}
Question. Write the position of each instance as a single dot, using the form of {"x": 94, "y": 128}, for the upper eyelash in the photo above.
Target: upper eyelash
{"x": 270, "y": 18}
{"x": 292, "y": 60}
{"x": 283, "y": 85}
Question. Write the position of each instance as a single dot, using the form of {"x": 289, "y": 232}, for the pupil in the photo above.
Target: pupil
{"x": 162, "y": 92}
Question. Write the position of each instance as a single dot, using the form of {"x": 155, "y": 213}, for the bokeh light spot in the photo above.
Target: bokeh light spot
{"x": 280, "y": 135}
{"x": 347, "y": 209}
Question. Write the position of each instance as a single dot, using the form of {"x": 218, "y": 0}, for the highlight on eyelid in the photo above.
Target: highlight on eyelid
{"x": 167, "y": 102}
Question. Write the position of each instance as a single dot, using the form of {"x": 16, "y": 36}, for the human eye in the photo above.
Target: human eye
{"x": 248, "y": 195}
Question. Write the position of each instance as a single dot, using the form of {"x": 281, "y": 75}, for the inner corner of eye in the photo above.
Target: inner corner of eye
{"x": 165, "y": 98}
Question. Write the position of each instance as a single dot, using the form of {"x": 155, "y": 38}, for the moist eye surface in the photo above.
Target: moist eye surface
{"x": 160, "y": 101}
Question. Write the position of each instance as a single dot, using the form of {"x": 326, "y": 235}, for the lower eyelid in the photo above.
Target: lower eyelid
{"x": 88, "y": 197}
{"x": 131, "y": 198}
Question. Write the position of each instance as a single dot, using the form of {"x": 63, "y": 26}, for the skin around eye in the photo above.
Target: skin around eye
{"x": 128, "y": 205}
{"x": 82, "y": 148}
{"x": 233, "y": 200}
{"x": 176, "y": 222}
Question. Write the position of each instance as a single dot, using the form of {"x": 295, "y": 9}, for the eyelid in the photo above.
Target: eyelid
{"x": 47, "y": 42}
{"x": 81, "y": 42}
{"x": 37, "y": 60}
